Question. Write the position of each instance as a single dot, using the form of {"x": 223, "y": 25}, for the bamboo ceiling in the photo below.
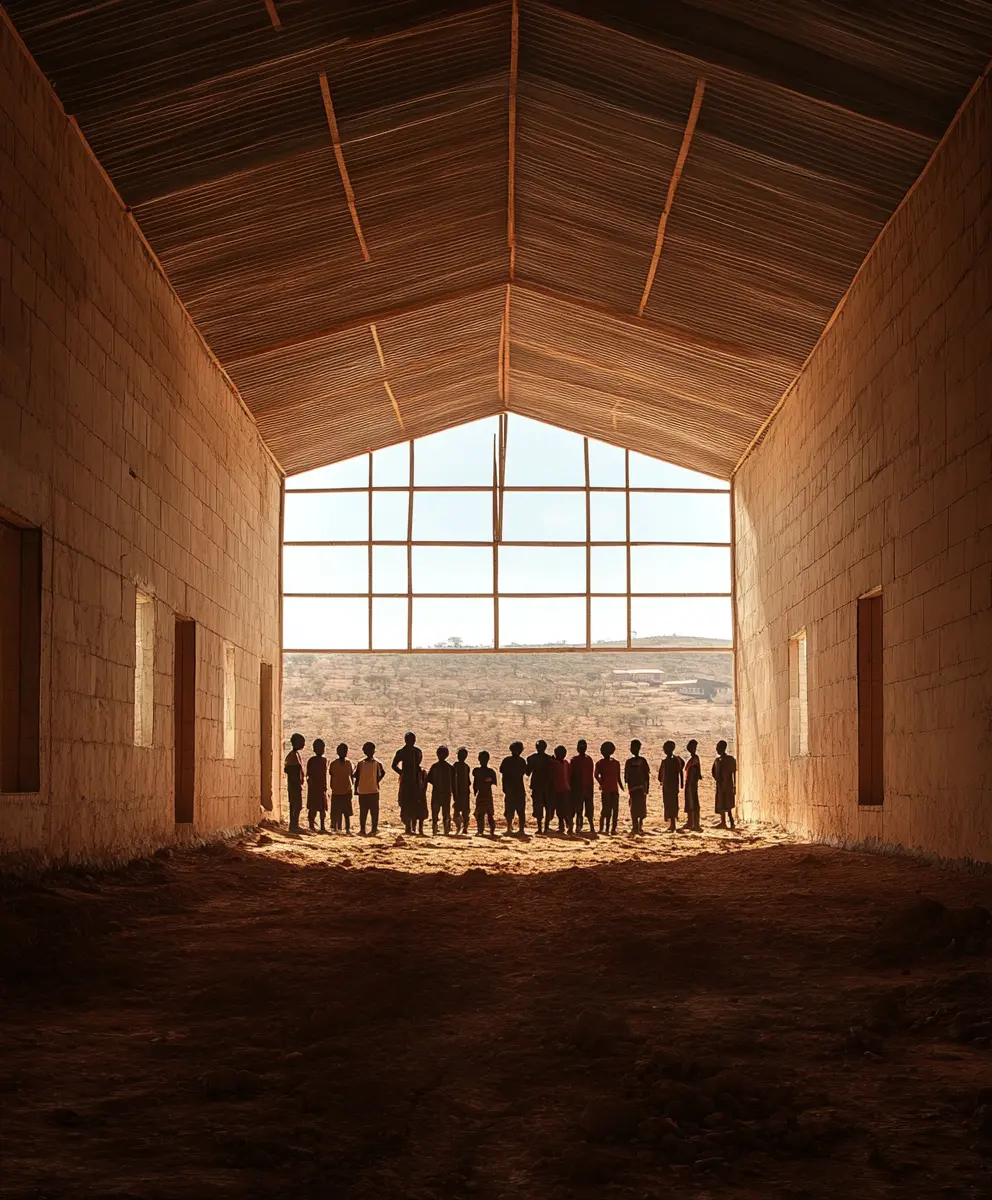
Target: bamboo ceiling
{"x": 629, "y": 220}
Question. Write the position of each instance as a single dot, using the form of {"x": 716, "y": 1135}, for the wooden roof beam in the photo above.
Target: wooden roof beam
{"x": 385, "y": 381}
{"x": 673, "y": 183}
{"x": 349, "y": 194}
{"x": 511, "y": 239}
{"x": 710, "y": 39}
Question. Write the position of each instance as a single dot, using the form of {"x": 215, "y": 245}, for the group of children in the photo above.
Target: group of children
{"x": 562, "y": 789}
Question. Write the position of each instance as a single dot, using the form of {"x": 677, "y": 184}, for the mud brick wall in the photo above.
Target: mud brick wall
{"x": 878, "y": 472}
{"x": 121, "y": 439}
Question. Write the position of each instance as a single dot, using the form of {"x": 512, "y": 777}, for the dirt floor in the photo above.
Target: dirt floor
{"x": 699, "y": 1016}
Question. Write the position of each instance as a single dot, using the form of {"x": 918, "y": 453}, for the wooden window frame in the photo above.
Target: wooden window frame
{"x": 497, "y": 489}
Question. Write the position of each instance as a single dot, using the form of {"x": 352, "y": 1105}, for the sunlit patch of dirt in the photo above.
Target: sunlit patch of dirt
{"x": 396, "y": 850}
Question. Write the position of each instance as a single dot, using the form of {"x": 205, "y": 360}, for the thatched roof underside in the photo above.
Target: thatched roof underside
{"x": 509, "y": 166}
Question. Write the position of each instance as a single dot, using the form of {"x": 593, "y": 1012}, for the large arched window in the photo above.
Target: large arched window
{"x": 505, "y": 534}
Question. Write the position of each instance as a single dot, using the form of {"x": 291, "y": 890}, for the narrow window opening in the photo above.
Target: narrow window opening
{"x": 184, "y": 682}
{"x": 144, "y": 669}
{"x": 20, "y": 658}
{"x": 798, "y": 696}
{"x": 265, "y": 733}
{"x": 871, "y": 789}
{"x": 230, "y": 731}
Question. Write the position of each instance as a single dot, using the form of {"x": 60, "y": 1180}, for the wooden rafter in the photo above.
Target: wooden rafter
{"x": 505, "y": 355}
{"x": 511, "y": 238}
{"x": 673, "y": 183}
{"x": 385, "y": 382}
{"x": 500, "y": 382}
{"x": 332, "y": 124}
{"x": 270, "y": 8}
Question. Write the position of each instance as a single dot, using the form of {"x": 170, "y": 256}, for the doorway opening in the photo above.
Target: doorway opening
{"x": 185, "y": 716}
{"x": 870, "y": 729}
{"x": 20, "y": 658}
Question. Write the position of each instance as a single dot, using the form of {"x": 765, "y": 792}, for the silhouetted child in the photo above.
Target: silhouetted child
{"x": 542, "y": 799}
{"x": 561, "y": 790}
{"x": 317, "y": 785}
{"x": 670, "y": 778}
{"x": 294, "y": 780}
{"x": 514, "y": 769}
{"x": 607, "y": 773}
{"x": 441, "y": 779}
{"x": 422, "y": 810}
{"x": 637, "y": 776}
{"x": 368, "y": 775}
{"x": 342, "y": 771}
{"x": 725, "y": 773}
{"x": 406, "y": 764}
{"x": 693, "y": 774}
{"x": 483, "y": 781}
{"x": 461, "y": 790}
{"x": 581, "y": 773}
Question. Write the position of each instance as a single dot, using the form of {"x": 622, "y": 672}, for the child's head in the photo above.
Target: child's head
{"x": 635, "y": 747}
{"x": 342, "y": 751}
{"x": 409, "y": 738}
{"x": 516, "y": 748}
{"x": 462, "y": 754}
{"x": 691, "y": 745}
{"x": 721, "y": 747}
{"x": 560, "y": 751}
{"x": 540, "y": 745}
{"x": 607, "y": 749}
{"x": 669, "y": 748}
{"x": 318, "y": 746}
{"x": 297, "y": 741}
{"x": 442, "y": 753}
{"x": 483, "y": 757}
{"x": 580, "y": 745}
{"x": 368, "y": 749}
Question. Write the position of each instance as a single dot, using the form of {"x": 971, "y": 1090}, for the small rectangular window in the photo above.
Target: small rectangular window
{"x": 230, "y": 730}
{"x": 542, "y": 622}
{"x": 532, "y": 569}
{"x": 341, "y": 517}
{"x": 798, "y": 696}
{"x": 144, "y": 669}
{"x": 20, "y": 658}
{"x": 452, "y": 517}
{"x": 317, "y": 569}
{"x": 316, "y": 624}
{"x": 459, "y": 569}
{"x": 389, "y": 624}
{"x": 452, "y": 623}
{"x": 871, "y": 730}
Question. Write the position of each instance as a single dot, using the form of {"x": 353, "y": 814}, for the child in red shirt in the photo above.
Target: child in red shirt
{"x": 608, "y": 776}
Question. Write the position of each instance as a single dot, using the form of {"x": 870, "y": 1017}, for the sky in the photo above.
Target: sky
{"x": 536, "y": 455}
